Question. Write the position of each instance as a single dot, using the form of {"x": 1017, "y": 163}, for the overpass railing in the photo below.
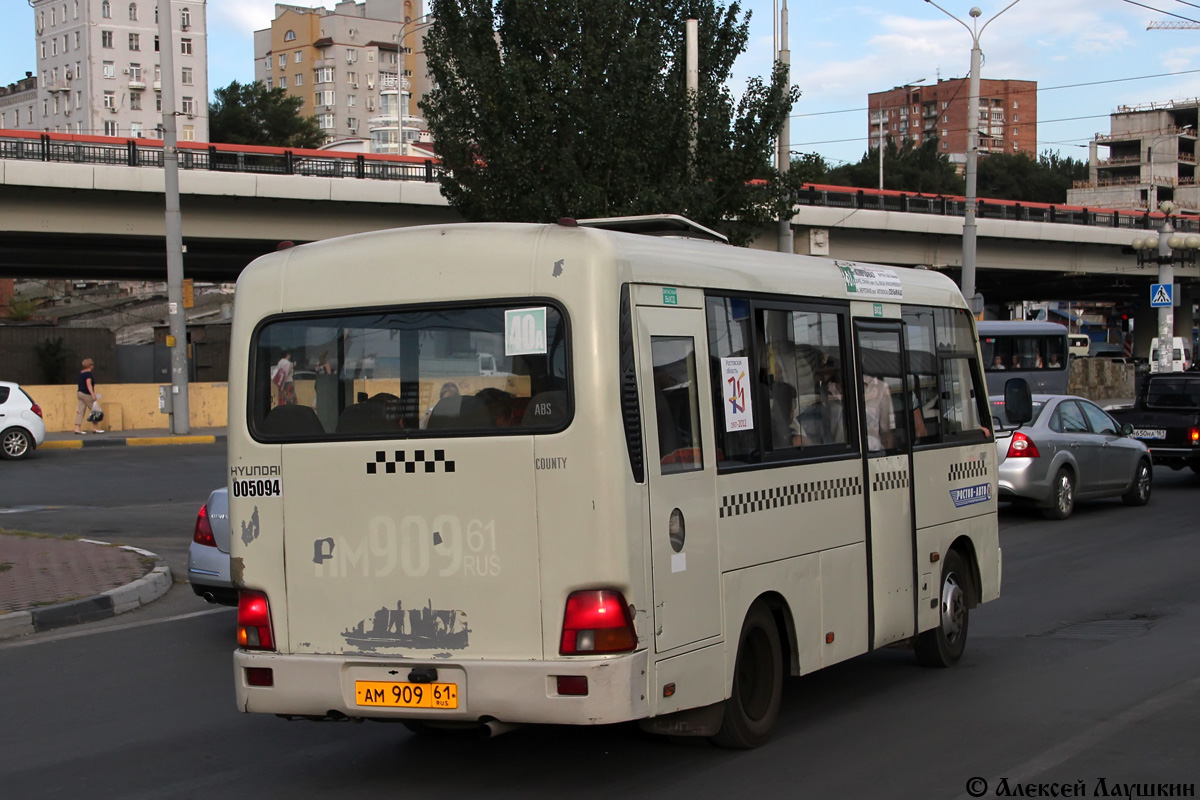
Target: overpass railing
{"x": 955, "y": 206}
{"x": 81, "y": 149}
{"x": 78, "y": 149}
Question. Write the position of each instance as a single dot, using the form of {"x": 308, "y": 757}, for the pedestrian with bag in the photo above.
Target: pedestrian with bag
{"x": 282, "y": 376}
{"x": 89, "y": 400}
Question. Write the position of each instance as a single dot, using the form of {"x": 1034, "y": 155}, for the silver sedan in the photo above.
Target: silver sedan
{"x": 208, "y": 562}
{"x": 1071, "y": 450}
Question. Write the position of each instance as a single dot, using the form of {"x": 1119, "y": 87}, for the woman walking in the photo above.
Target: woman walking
{"x": 88, "y": 397}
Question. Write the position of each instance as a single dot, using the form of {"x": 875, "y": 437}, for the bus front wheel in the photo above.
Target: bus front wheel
{"x": 943, "y": 646}
{"x": 753, "y": 704}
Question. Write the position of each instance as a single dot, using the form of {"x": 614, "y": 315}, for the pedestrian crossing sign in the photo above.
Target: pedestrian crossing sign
{"x": 1161, "y": 295}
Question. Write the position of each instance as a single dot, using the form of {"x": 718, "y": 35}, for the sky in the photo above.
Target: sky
{"x": 842, "y": 51}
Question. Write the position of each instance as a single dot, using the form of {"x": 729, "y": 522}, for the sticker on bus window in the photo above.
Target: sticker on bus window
{"x": 735, "y": 379}
{"x": 524, "y": 331}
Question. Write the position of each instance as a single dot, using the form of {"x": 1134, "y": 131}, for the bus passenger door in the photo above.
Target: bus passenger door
{"x": 681, "y": 470}
{"x": 885, "y": 430}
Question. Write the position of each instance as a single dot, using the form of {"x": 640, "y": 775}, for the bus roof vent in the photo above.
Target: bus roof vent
{"x": 672, "y": 225}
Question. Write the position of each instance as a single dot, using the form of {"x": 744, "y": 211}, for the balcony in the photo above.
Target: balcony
{"x": 1123, "y": 161}
{"x": 137, "y": 83}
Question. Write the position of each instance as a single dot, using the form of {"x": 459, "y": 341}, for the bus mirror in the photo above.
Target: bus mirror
{"x": 1018, "y": 403}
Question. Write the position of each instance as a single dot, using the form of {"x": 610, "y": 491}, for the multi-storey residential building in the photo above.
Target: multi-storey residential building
{"x": 98, "y": 65}
{"x": 358, "y": 68}
{"x": 1151, "y": 157}
{"x": 1007, "y": 116}
{"x": 17, "y": 103}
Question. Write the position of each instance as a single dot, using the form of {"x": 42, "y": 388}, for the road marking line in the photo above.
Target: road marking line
{"x": 1056, "y": 756}
{"x": 58, "y": 637}
{"x": 154, "y": 441}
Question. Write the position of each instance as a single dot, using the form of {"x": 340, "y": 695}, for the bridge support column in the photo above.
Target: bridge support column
{"x": 1145, "y": 327}
{"x": 1185, "y": 313}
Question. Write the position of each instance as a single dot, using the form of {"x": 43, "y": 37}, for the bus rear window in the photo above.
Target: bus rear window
{"x": 1023, "y": 352}
{"x": 416, "y": 372}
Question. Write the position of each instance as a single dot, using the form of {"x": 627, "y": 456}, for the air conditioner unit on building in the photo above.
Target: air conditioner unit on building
{"x": 125, "y": 71}
{"x": 68, "y": 74}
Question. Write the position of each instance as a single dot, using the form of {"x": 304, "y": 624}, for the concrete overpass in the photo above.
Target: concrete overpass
{"x": 74, "y": 206}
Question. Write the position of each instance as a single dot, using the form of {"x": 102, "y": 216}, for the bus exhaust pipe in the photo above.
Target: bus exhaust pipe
{"x": 493, "y": 728}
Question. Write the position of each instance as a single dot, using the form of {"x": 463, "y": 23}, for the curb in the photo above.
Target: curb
{"x": 139, "y": 441}
{"x": 151, "y": 586}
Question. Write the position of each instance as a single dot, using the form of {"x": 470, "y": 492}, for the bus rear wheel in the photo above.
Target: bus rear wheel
{"x": 753, "y": 704}
{"x": 943, "y": 646}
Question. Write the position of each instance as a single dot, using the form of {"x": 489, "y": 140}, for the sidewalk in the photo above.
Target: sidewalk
{"x": 145, "y": 437}
{"x": 48, "y": 582}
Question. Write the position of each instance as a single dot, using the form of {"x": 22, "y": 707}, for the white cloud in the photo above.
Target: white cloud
{"x": 242, "y": 15}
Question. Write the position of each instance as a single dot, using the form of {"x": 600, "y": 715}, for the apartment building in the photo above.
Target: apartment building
{"x": 358, "y": 68}
{"x": 17, "y": 103}
{"x": 99, "y": 72}
{"x": 1007, "y": 116}
{"x": 1151, "y": 157}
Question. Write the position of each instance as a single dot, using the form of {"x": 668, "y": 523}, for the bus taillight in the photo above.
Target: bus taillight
{"x": 597, "y": 621}
{"x": 1022, "y": 446}
{"x": 254, "y": 621}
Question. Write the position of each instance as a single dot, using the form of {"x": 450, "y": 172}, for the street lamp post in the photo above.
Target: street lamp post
{"x": 969, "y": 230}
{"x": 180, "y": 415}
{"x": 783, "y": 153}
{"x": 1165, "y": 249}
{"x": 403, "y": 84}
{"x": 882, "y": 138}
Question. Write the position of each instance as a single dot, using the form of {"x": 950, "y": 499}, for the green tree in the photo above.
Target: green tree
{"x": 808, "y": 168}
{"x": 1019, "y": 177}
{"x": 251, "y": 113}
{"x": 545, "y": 109}
{"x": 907, "y": 169}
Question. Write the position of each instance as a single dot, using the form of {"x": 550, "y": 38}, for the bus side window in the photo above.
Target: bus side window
{"x": 677, "y": 407}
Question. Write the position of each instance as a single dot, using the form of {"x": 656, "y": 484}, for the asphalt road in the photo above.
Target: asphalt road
{"x": 1087, "y": 668}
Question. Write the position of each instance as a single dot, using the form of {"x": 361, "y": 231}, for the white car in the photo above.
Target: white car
{"x": 21, "y": 427}
{"x": 208, "y": 556}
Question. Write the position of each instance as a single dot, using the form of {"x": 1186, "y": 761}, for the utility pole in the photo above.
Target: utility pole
{"x": 783, "y": 154}
{"x": 692, "y": 35}
{"x": 967, "y": 284}
{"x": 176, "y": 316}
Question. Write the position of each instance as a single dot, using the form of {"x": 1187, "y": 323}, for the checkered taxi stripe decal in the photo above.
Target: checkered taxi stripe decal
{"x": 976, "y": 468}
{"x": 892, "y": 479}
{"x": 735, "y": 505}
{"x": 391, "y": 465}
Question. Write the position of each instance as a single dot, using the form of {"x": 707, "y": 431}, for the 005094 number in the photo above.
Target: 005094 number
{"x": 259, "y": 487}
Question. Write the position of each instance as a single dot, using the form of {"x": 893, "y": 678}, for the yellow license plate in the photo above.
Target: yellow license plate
{"x": 406, "y": 695}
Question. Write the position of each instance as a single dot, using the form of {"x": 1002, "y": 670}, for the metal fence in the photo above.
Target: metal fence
{"x": 132, "y": 153}
{"x": 846, "y": 197}
{"x": 272, "y": 161}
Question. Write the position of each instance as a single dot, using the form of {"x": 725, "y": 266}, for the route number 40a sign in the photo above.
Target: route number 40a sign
{"x": 524, "y": 331}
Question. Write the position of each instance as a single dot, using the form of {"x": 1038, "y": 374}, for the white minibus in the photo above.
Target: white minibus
{"x": 692, "y": 470}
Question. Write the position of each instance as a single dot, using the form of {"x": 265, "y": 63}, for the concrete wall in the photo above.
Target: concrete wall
{"x": 1102, "y": 379}
{"x": 132, "y": 405}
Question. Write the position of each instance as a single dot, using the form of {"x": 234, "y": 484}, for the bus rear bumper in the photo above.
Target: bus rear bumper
{"x": 323, "y": 687}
